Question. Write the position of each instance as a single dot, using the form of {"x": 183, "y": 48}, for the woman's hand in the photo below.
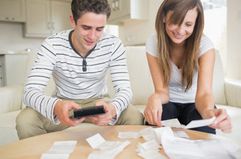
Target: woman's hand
{"x": 222, "y": 121}
{"x": 153, "y": 110}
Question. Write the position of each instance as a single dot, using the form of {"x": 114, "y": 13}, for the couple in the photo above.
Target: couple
{"x": 180, "y": 58}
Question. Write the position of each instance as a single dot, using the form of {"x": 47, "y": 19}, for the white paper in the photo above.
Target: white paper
{"x": 193, "y": 124}
{"x": 128, "y": 134}
{"x": 181, "y": 134}
{"x": 95, "y": 141}
{"x": 200, "y": 123}
{"x": 62, "y": 147}
{"x": 105, "y": 149}
{"x": 172, "y": 123}
{"x": 149, "y": 145}
{"x": 60, "y": 150}
{"x": 148, "y": 134}
{"x": 108, "y": 153}
{"x": 151, "y": 154}
{"x": 180, "y": 148}
{"x": 54, "y": 156}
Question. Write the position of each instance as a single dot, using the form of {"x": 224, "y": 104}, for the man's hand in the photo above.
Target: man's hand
{"x": 222, "y": 120}
{"x": 106, "y": 118}
{"x": 61, "y": 110}
{"x": 153, "y": 110}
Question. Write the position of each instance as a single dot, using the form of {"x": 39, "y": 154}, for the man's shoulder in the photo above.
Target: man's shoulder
{"x": 109, "y": 38}
{"x": 60, "y": 36}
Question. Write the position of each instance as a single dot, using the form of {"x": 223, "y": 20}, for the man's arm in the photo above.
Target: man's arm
{"x": 37, "y": 81}
{"x": 120, "y": 78}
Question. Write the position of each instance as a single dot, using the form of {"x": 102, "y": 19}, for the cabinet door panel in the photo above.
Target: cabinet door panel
{"x": 60, "y": 13}
{"x": 12, "y": 10}
{"x": 38, "y": 22}
{"x": 119, "y": 8}
{"x": 15, "y": 68}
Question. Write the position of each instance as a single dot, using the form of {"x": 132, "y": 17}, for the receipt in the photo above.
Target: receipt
{"x": 193, "y": 124}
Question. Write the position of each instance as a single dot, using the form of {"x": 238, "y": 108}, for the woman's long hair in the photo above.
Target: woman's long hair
{"x": 192, "y": 44}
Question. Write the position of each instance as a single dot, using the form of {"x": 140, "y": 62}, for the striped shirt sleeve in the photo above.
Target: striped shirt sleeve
{"x": 37, "y": 81}
{"x": 120, "y": 78}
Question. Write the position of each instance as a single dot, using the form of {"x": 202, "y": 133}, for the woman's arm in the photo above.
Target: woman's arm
{"x": 153, "y": 109}
{"x": 157, "y": 78}
{"x": 204, "y": 96}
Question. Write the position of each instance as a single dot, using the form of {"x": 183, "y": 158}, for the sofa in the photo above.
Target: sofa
{"x": 227, "y": 94}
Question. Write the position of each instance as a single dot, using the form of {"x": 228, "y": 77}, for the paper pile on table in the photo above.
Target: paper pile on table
{"x": 105, "y": 149}
{"x": 60, "y": 150}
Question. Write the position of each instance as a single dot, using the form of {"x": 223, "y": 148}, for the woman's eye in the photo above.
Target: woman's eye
{"x": 188, "y": 24}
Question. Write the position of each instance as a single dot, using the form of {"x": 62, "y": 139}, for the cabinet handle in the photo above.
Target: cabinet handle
{"x": 49, "y": 25}
{"x": 52, "y": 26}
{"x": 117, "y": 5}
{"x": 113, "y": 5}
{"x": 6, "y": 18}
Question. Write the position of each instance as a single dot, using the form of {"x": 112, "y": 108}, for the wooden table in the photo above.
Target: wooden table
{"x": 32, "y": 148}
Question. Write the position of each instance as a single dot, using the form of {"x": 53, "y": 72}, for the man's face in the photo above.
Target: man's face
{"x": 88, "y": 31}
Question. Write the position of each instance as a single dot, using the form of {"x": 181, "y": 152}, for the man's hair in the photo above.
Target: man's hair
{"x": 80, "y": 7}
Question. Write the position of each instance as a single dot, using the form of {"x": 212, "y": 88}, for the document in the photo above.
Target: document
{"x": 105, "y": 149}
{"x": 193, "y": 124}
{"x": 179, "y": 148}
{"x": 60, "y": 150}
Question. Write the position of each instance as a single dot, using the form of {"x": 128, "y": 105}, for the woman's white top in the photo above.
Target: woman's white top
{"x": 176, "y": 90}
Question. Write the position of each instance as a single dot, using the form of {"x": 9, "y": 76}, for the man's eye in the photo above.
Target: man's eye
{"x": 86, "y": 28}
{"x": 99, "y": 29}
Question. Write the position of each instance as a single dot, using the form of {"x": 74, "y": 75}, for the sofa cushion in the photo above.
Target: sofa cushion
{"x": 11, "y": 98}
{"x": 218, "y": 81}
{"x": 140, "y": 76}
{"x": 8, "y": 131}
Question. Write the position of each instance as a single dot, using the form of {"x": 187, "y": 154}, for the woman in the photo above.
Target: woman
{"x": 181, "y": 61}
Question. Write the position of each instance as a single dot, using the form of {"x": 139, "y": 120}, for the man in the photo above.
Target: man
{"x": 78, "y": 60}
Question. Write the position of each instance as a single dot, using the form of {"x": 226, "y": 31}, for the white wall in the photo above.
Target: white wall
{"x": 136, "y": 32}
{"x": 12, "y": 38}
{"x": 234, "y": 39}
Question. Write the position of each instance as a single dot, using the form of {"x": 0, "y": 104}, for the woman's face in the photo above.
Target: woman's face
{"x": 179, "y": 33}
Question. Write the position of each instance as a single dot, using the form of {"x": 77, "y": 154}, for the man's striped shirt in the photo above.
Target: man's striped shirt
{"x": 57, "y": 58}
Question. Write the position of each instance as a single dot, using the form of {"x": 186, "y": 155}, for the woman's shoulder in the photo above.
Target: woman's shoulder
{"x": 151, "y": 45}
{"x": 205, "y": 44}
{"x": 152, "y": 38}
{"x": 206, "y": 40}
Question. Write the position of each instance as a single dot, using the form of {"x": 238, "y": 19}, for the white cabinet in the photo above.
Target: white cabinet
{"x": 122, "y": 10}
{"x": 12, "y": 10}
{"x": 45, "y": 17}
{"x": 37, "y": 18}
{"x": 60, "y": 13}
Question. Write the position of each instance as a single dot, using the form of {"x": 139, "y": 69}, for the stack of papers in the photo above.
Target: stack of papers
{"x": 147, "y": 134}
{"x": 149, "y": 150}
{"x": 105, "y": 149}
{"x": 60, "y": 150}
{"x": 176, "y": 147}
